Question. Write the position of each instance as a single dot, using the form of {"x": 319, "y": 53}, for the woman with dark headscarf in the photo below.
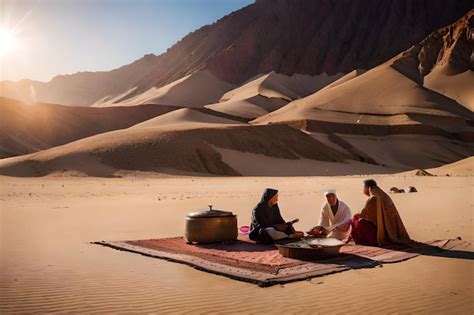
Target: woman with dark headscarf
{"x": 267, "y": 223}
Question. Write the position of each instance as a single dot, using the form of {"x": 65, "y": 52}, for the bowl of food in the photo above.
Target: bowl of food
{"x": 324, "y": 242}
{"x": 311, "y": 249}
{"x": 330, "y": 246}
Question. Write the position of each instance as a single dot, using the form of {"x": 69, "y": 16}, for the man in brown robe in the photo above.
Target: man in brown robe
{"x": 379, "y": 222}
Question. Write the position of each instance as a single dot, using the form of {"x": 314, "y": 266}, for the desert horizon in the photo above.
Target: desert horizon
{"x": 304, "y": 100}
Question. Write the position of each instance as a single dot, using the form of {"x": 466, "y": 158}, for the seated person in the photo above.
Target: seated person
{"x": 379, "y": 222}
{"x": 334, "y": 219}
{"x": 267, "y": 223}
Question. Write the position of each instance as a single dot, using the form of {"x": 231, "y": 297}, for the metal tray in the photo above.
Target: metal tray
{"x": 311, "y": 249}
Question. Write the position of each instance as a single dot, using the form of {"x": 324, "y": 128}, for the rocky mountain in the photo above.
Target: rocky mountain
{"x": 285, "y": 36}
{"x": 444, "y": 61}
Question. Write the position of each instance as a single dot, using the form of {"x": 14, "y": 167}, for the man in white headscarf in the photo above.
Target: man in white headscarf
{"x": 335, "y": 217}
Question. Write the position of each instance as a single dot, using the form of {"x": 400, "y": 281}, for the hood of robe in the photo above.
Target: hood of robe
{"x": 268, "y": 194}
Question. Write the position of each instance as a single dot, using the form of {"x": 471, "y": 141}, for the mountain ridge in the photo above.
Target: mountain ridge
{"x": 306, "y": 37}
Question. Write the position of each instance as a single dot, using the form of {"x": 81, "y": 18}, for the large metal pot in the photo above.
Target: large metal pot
{"x": 212, "y": 226}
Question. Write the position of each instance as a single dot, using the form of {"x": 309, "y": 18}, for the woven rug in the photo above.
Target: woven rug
{"x": 263, "y": 265}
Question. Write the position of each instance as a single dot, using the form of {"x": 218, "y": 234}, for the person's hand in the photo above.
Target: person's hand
{"x": 281, "y": 227}
{"x": 357, "y": 216}
{"x": 313, "y": 231}
{"x": 317, "y": 231}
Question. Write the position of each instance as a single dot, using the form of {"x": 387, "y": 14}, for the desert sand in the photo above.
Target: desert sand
{"x": 184, "y": 141}
{"x": 463, "y": 167}
{"x": 250, "y": 108}
{"x": 197, "y": 89}
{"x": 268, "y": 92}
{"x": 31, "y": 127}
{"x": 453, "y": 83}
{"x": 186, "y": 118}
{"x": 197, "y": 141}
{"x": 277, "y": 85}
{"x": 168, "y": 145}
{"x": 48, "y": 264}
{"x": 387, "y": 92}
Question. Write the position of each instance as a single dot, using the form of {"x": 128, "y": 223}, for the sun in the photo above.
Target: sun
{"x": 8, "y": 42}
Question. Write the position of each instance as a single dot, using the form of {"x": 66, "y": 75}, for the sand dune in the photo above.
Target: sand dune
{"x": 269, "y": 92}
{"x": 410, "y": 151}
{"x": 275, "y": 85}
{"x": 463, "y": 167}
{"x": 363, "y": 154}
{"x": 27, "y": 128}
{"x": 380, "y": 91}
{"x": 252, "y": 164}
{"x": 187, "y": 118}
{"x": 197, "y": 89}
{"x": 453, "y": 84}
{"x": 172, "y": 150}
{"x": 199, "y": 140}
{"x": 189, "y": 142}
{"x": 250, "y": 108}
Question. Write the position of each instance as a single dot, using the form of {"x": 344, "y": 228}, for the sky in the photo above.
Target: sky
{"x": 53, "y": 37}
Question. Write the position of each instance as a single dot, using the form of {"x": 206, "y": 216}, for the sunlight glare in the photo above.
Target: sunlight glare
{"x": 8, "y": 42}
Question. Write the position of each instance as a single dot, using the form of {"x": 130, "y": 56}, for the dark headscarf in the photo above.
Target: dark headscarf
{"x": 264, "y": 216}
{"x": 370, "y": 183}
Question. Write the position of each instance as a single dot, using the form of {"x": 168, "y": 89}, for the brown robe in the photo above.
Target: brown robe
{"x": 380, "y": 210}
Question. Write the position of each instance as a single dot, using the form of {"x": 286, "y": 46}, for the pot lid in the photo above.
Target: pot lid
{"x": 211, "y": 213}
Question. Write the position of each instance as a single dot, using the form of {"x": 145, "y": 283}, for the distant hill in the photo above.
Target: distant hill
{"x": 27, "y": 128}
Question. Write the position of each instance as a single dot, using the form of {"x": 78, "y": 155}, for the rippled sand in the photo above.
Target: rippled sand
{"x": 48, "y": 265}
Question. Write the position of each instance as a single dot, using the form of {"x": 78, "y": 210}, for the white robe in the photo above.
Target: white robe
{"x": 341, "y": 221}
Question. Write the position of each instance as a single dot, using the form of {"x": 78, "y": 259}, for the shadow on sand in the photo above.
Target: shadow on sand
{"x": 423, "y": 249}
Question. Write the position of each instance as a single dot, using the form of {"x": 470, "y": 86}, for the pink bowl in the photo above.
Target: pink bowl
{"x": 244, "y": 229}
